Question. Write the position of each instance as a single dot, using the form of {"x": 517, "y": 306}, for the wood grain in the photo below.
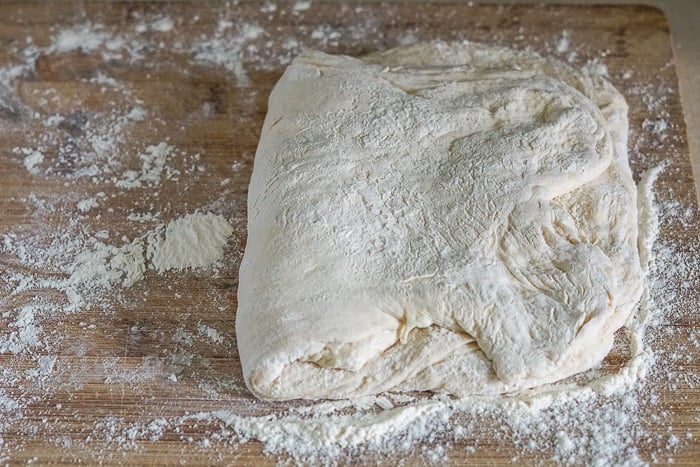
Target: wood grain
{"x": 91, "y": 380}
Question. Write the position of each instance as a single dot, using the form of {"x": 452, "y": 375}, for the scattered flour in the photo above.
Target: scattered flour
{"x": 142, "y": 216}
{"x": 163, "y": 24}
{"x": 103, "y": 267}
{"x": 195, "y": 240}
{"x": 137, "y": 114}
{"x": 32, "y": 158}
{"x": 210, "y": 333}
{"x": 308, "y": 437}
{"x": 153, "y": 160}
{"x": 229, "y": 49}
{"x": 268, "y": 8}
{"x": 657, "y": 126}
{"x": 237, "y": 166}
{"x": 23, "y": 332}
{"x": 302, "y": 5}
{"x": 563, "y": 44}
{"x": 84, "y": 37}
{"x": 87, "y": 204}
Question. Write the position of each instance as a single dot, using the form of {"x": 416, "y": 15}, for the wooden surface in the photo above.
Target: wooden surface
{"x": 69, "y": 421}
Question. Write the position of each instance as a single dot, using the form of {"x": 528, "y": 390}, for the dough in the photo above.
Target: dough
{"x": 451, "y": 217}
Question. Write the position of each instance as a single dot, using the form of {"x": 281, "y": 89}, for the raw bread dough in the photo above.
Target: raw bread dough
{"x": 447, "y": 217}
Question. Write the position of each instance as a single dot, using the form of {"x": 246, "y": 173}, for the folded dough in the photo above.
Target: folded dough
{"x": 447, "y": 217}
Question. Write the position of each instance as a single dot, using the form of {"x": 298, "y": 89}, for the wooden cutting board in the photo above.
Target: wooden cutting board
{"x": 119, "y": 367}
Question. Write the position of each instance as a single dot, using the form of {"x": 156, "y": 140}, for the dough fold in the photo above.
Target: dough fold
{"x": 450, "y": 217}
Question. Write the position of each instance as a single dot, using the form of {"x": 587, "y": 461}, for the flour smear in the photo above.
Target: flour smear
{"x": 129, "y": 236}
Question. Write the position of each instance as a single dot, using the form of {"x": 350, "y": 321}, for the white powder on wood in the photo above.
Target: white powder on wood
{"x": 563, "y": 43}
{"x": 87, "y": 204}
{"x": 82, "y": 37}
{"x": 229, "y": 50}
{"x": 97, "y": 268}
{"x": 312, "y": 437}
{"x": 193, "y": 241}
{"x": 163, "y": 24}
{"x": 22, "y": 331}
{"x": 32, "y": 158}
{"x": 153, "y": 164}
{"x": 302, "y": 5}
{"x": 106, "y": 265}
{"x": 210, "y": 333}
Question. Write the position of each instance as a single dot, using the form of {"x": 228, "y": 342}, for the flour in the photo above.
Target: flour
{"x": 143, "y": 216}
{"x": 105, "y": 266}
{"x": 96, "y": 268}
{"x": 268, "y": 8}
{"x": 193, "y": 241}
{"x": 24, "y": 333}
{"x": 137, "y": 114}
{"x": 229, "y": 49}
{"x": 85, "y": 38}
{"x": 308, "y": 437}
{"x": 563, "y": 43}
{"x": 602, "y": 433}
{"x": 301, "y": 5}
{"x": 656, "y": 126}
{"x": 210, "y": 333}
{"x": 163, "y": 24}
{"x": 89, "y": 37}
{"x": 32, "y": 158}
{"x": 87, "y": 204}
{"x": 153, "y": 160}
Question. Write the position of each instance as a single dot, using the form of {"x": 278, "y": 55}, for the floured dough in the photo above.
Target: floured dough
{"x": 447, "y": 217}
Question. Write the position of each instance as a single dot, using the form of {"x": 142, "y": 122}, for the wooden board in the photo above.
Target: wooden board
{"x": 113, "y": 367}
